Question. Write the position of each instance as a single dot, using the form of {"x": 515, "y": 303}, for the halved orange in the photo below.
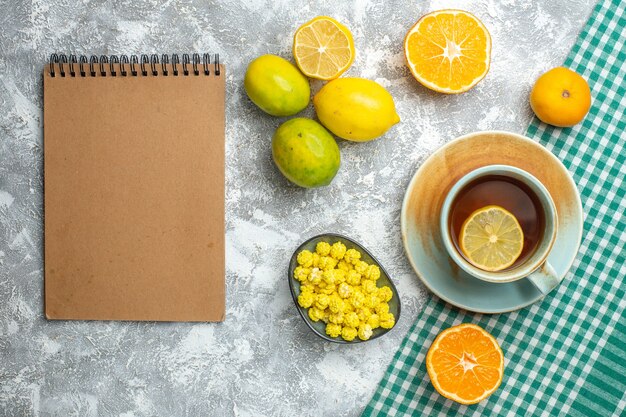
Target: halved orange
{"x": 448, "y": 51}
{"x": 465, "y": 363}
{"x": 323, "y": 48}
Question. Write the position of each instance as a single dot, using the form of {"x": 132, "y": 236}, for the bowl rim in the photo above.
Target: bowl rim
{"x": 301, "y": 310}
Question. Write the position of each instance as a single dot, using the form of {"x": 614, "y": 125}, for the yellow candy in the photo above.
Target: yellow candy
{"x": 336, "y": 318}
{"x": 338, "y": 250}
{"x": 365, "y": 331}
{"x": 387, "y": 320}
{"x": 372, "y": 272}
{"x": 348, "y": 308}
{"x": 329, "y": 289}
{"x": 305, "y": 258}
{"x": 316, "y": 260}
{"x": 321, "y": 301}
{"x": 322, "y": 248}
{"x": 340, "y": 275}
{"x": 385, "y": 316}
{"x": 344, "y": 266}
{"x": 351, "y": 319}
{"x": 332, "y": 276}
{"x": 333, "y": 330}
{"x": 328, "y": 277}
{"x": 313, "y": 288}
{"x": 344, "y": 290}
{"x": 327, "y": 263}
{"x": 301, "y": 273}
{"x": 382, "y": 308}
{"x": 332, "y": 261}
{"x": 360, "y": 266}
{"x": 315, "y": 314}
{"x": 364, "y": 313}
{"x": 305, "y": 299}
{"x": 368, "y": 286}
{"x": 374, "y": 321}
{"x": 315, "y": 277}
{"x": 357, "y": 299}
{"x": 325, "y": 316}
{"x": 372, "y": 300}
{"x": 351, "y": 256}
{"x": 306, "y": 287}
{"x": 335, "y": 304}
{"x": 348, "y": 333}
{"x": 353, "y": 277}
{"x": 385, "y": 293}
{"x": 387, "y": 324}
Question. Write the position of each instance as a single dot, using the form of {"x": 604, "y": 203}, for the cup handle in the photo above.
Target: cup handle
{"x": 545, "y": 278}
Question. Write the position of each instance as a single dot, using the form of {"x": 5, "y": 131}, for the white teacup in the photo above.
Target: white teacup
{"x": 535, "y": 267}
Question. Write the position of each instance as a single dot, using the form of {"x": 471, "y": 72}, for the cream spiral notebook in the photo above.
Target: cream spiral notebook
{"x": 134, "y": 188}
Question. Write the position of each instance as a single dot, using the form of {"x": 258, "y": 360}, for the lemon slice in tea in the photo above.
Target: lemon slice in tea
{"x": 491, "y": 238}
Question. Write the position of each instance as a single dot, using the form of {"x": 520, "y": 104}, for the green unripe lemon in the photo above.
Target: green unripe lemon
{"x": 276, "y": 86}
{"x": 355, "y": 108}
{"x": 305, "y": 153}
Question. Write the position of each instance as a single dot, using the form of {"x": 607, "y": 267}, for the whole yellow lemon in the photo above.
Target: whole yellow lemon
{"x": 560, "y": 97}
{"x": 355, "y": 109}
{"x": 276, "y": 86}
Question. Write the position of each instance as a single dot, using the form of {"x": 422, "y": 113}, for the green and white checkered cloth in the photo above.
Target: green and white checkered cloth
{"x": 565, "y": 355}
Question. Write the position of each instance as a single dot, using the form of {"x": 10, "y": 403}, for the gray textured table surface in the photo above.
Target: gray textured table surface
{"x": 262, "y": 360}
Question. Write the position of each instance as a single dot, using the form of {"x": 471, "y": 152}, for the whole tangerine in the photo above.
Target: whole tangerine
{"x": 560, "y": 97}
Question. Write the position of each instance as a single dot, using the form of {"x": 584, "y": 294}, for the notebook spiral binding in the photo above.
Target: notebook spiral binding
{"x": 134, "y": 66}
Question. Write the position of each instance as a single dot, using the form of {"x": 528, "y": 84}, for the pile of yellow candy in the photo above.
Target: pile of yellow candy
{"x": 340, "y": 289}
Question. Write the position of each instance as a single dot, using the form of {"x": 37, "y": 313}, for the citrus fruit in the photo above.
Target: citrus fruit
{"x": 323, "y": 48}
{"x": 305, "y": 153}
{"x": 491, "y": 238}
{"x": 355, "y": 108}
{"x": 465, "y": 363}
{"x": 560, "y": 97}
{"x": 276, "y": 86}
{"x": 448, "y": 51}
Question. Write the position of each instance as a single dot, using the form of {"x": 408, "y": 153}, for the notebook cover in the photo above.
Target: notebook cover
{"x": 134, "y": 197}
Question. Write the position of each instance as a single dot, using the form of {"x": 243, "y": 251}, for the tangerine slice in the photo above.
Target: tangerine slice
{"x": 465, "y": 364}
{"x": 448, "y": 51}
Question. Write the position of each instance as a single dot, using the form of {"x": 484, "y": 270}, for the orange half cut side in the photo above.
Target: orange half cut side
{"x": 448, "y": 51}
{"x": 465, "y": 364}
